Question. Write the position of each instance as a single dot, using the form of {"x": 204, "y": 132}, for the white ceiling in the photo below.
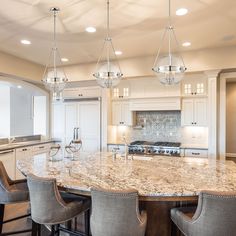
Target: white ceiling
{"x": 136, "y": 26}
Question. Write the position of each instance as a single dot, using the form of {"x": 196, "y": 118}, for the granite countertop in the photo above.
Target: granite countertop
{"x": 152, "y": 177}
{"x": 4, "y": 147}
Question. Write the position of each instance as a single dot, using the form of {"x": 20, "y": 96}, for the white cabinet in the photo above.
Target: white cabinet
{"x": 121, "y": 113}
{"x": 84, "y": 115}
{"x": 21, "y": 154}
{"x": 118, "y": 147}
{"x": 201, "y": 153}
{"x": 194, "y": 85}
{"x": 121, "y": 91}
{"x": 81, "y": 92}
{"x": 194, "y": 112}
{"x": 8, "y": 159}
{"x": 43, "y": 148}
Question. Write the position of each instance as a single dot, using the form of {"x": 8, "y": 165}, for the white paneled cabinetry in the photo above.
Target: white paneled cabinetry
{"x": 83, "y": 115}
{"x": 82, "y": 92}
{"x": 194, "y": 112}
{"x": 194, "y": 85}
{"x": 121, "y": 113}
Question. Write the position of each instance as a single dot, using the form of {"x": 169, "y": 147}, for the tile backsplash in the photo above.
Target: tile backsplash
{"x": 157, "y": 126}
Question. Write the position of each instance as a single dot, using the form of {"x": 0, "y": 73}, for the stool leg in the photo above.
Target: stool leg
{"x": 87, "y": 222}
{"x": 39, "y": 230}
{"x": 34, "y": 229}
{"x": 2, "y": 208}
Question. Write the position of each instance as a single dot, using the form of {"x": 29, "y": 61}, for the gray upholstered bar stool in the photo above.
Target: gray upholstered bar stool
{"x": 49, "y": 208}
{"x": 215, "y": 215}
{"x": 116, "y": 213}
{"x": 11, "y": 192}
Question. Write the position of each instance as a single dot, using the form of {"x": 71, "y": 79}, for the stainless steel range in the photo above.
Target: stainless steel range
{"x": 154, "y": 148}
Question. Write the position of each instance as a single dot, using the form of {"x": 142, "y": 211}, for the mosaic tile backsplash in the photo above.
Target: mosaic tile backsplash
{"x": 157, "y": 126}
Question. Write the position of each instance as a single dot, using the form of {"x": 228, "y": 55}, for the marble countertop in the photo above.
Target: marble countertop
{"x": 4, "y": 147}
{"x": 152, "y": 177}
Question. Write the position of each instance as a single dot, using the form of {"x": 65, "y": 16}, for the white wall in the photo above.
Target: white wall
{"x": 4, "y": 111}
{"x": 21, "y": 112}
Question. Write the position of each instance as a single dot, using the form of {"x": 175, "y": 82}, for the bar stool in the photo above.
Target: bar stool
{"x": 48, "y": 207}
{"x": 11, "y": 192}
{"x": 214, "y": 216}
{"x": 116, "y": 213}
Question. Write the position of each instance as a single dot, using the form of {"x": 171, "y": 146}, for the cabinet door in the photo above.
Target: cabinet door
{"x": 89, "y": 124}
{"x": 21, "y": 154}
{"x": 58, "y": 121}
{"x": 70, "y": 121}
{"x": 200, "y": 112}
{"x": 116, "y": 113}
{"x": 8, "y": 159}
{"x": 127, "y": 118}
{"x": 187, "y": 113}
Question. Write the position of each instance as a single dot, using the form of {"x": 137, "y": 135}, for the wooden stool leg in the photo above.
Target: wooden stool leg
{"x": 2, "y": 208}
{"x": 87, "y": 222}
{"x": 53, "y": 230}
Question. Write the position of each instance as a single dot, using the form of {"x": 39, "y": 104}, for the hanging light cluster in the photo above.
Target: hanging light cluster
{"x": 54, "y": 78}
{"x": 170, "y": 68}
{"x": 108, "y": 73}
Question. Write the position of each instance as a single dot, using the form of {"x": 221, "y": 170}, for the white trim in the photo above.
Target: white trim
{"x": 222, "y": 114}
{"x": 231, "y": 155}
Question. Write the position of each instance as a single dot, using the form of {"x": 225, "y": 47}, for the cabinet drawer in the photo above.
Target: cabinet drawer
{"x": 196, "y": 153}
{"x": 41, "y": 148}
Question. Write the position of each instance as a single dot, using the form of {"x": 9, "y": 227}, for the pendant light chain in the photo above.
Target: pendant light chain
{"x": 169, "y": 34}
{"x": 54, "y": 43}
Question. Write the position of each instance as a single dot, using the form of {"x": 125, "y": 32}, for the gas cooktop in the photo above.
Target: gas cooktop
{"x": 155, "y": 148}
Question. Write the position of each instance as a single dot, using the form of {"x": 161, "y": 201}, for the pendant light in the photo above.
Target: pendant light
{"x": 170, "y": 68}
{"x": 55, "y": 78}
{"x": 108, "y": 74}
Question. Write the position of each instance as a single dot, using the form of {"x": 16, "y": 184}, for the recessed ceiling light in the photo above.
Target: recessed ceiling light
{"x": 90, "y": 29}
{"x": 19, "y": 86}
{"x": 25, "y": 41}
{"x": 64, "y": 59}
{"x": 181, "y": 12}
{"x": 118, "y": 52}
{"x": 186, "y": 44}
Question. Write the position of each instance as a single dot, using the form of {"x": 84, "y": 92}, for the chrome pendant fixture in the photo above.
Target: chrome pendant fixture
{"x": 108, "y": 73}
{"x": 54, "y": 78}
{"x": 169, "y": 68}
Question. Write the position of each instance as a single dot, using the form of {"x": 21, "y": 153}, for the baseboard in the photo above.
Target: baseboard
{"x": 231, "y": 155}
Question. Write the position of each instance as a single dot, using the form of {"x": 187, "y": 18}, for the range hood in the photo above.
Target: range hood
{"x": 156, "y": 104}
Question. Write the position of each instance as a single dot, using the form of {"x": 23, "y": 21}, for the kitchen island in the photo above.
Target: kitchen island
{"x": 163, "y": 182}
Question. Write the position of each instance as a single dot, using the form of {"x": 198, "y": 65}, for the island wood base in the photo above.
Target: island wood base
{"x": 158, "y": 212}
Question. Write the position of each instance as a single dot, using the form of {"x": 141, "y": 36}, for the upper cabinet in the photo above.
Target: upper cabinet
{"x": 194, "y": 85}
{"x": 122, "y": 90}
{"x": 194, "y": 112}
{"x": 87, "y": 92}
{"x": 149, "y": 87}
{"x": 121, "y": 114}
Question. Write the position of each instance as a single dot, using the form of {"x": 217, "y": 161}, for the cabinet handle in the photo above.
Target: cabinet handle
{"x": 41, "y": 147}
{"x": 24, "y": 149}
{"x": 192, "y": 93}
{"x": 195, "y": 93}
{"x": 195, "y": 153}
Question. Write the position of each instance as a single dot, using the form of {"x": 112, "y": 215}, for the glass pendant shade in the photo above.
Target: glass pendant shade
{"x": 170, "y": 67}
{"x": 108, "y": 73}
{"x": 54, "y": 77}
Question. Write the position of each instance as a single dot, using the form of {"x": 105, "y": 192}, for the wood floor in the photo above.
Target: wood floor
{"x": 15, "y": 210}
{"x": 19, "y": 209}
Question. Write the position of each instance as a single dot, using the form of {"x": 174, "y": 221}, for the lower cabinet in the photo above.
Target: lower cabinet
{"x": 118, "y": 147}
{"x": 38, "y": 149}
{"x": 22, "y": 153}
{"x": 202, "y": 153}
{"x": 8, "y": 159}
